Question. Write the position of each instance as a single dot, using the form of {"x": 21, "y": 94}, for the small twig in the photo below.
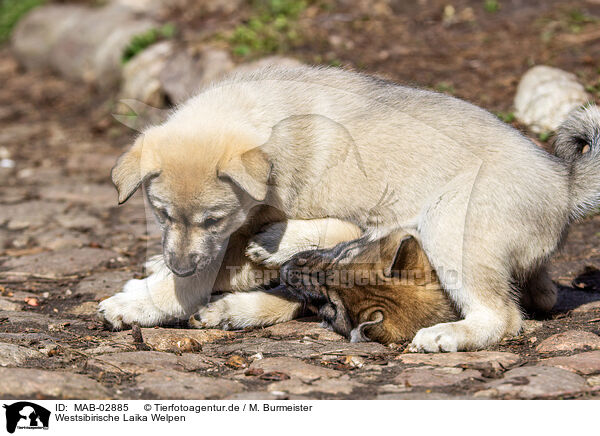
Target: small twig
{"x": 342, "y": 353}
{"x": 314, "y": 341}
{"x": 88, "y": 357}
{"x": 138, "y": 340}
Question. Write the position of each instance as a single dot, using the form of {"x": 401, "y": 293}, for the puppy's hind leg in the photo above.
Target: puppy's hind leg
{"x": 489, "y": 311}
{"x": 467, "y": 240}
{"x": 539, "y": 293}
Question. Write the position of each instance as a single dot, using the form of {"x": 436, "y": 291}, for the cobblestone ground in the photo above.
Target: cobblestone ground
{"x": 64, "y": 246}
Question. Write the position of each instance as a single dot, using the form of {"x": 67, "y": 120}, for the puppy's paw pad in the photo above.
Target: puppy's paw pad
{"x": 258, "y": 253}
{"x": 213, "y": 315}
{"x": 439, "y": 338}
{"x": 110, "y": 311}
{"x": 133, "y": 305}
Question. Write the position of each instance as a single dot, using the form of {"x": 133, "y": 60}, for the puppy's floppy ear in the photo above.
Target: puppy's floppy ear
{"x": 250, "y": 171}
{"x": 406, "y": 257}
{"x": 132, "y": 169}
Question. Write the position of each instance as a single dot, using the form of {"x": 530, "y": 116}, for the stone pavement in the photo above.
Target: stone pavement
{"x": 65, "y": 245}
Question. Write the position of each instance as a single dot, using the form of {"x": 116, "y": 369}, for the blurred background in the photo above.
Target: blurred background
{"x": 475, "y": 49}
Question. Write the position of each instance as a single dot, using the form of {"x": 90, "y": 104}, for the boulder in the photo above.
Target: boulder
{"x": 545, "y": 96}
{"x": 80, "y": 43}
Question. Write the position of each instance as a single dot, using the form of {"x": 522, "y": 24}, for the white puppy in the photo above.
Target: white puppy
{"x": 488, "y": 207}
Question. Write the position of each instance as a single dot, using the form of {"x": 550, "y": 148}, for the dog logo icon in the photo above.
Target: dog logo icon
{"x": 26, "y": 415}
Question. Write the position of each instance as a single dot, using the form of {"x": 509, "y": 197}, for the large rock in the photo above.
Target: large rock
{"x": 146, "y": 361}
{"x": 583, "y": 363}
{"x": 174, "y": 385}
{"x": 29, "y": 214}
{"x": 185, "y": 74}
{"x": 535, "y": 382}
{"x": 15, "y": 355}
{"x": 78, "y": 42}
{"x": 58, "y": 263}
{"x": 141, "y": 75}
{"x": 294, "y": 368}
{"x": 332, "y": 386}
{"x": 94, "y": 194}
{"x": 57, "y": 238}
{"x": 426, "y": 395}
{"x": 41, "y": 384}
{"x": 159, "y": 8}
{"x": 177, "y": 340}
{"x": 104, "y": 284}
{"x": 427, "y": 376}
{"x": 473, "y": 359}
{"x": 30, "y": 319}
{"x": 7, "y": 304}
{"x": 151, "y": 8}
{"x": 569, "y": 341}
{"x": 303, "y": 348}
{"x": 546, "y": 95}
{"x": 299, "y": 329}
{"x": 593, "y": 306}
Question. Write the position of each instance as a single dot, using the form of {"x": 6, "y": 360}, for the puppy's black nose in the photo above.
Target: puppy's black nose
{"x": 290, "y": 274}
{"x": 183, "y": 272}
{"x": 182, "y": 266}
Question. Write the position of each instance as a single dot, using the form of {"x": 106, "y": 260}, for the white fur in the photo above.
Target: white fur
{"x": 159, "y": 298}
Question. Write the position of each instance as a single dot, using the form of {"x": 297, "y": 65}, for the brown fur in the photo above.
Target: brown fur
{"x": 383, "y": 291}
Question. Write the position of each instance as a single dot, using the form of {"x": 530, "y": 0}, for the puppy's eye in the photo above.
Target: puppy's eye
{"x": 211, "y": 221}
{"x": 163, "y": 215}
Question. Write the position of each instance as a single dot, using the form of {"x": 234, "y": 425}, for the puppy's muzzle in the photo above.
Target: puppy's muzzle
{"x": 302, "y": 282}
{"x": 291, "y": 273}
{"x": 183, "y": 266}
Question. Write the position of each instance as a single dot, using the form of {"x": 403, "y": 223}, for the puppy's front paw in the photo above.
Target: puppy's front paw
{"x": 439, "y": 338}
{"x": 258, "y": 254}
{"x": 132, "y": 305}
{"x": 213, "y": 315}
{"x": 273, "y": 246}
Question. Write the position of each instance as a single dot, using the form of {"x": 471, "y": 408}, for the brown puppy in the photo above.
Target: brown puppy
{"x": 383, "y": 291}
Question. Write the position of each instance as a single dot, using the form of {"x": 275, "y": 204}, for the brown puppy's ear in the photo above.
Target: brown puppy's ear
{"x": 250, "y": 171}
{"x": 132, "y": 169}
{"x": 406, "y": 257}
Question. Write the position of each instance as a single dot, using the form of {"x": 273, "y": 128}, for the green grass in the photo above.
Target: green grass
{"x": 10, "y": 13}
{"x": 444, "y": 87}
{"x": 593, "y": 89}
{"x": 491, "y": 6}
{"x": 544, "y": 136}
{"x": 272, "y": 28}
{"x": 507, "y": 117}
{"x": 144, "y": 40}
{"x": 577, "y": 19}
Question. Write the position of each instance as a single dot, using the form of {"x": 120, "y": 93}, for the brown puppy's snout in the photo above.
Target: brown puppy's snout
{"x": 291, "y": 274}
{"x": 303, "y": 281}
{"x": 182, "y": 265}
